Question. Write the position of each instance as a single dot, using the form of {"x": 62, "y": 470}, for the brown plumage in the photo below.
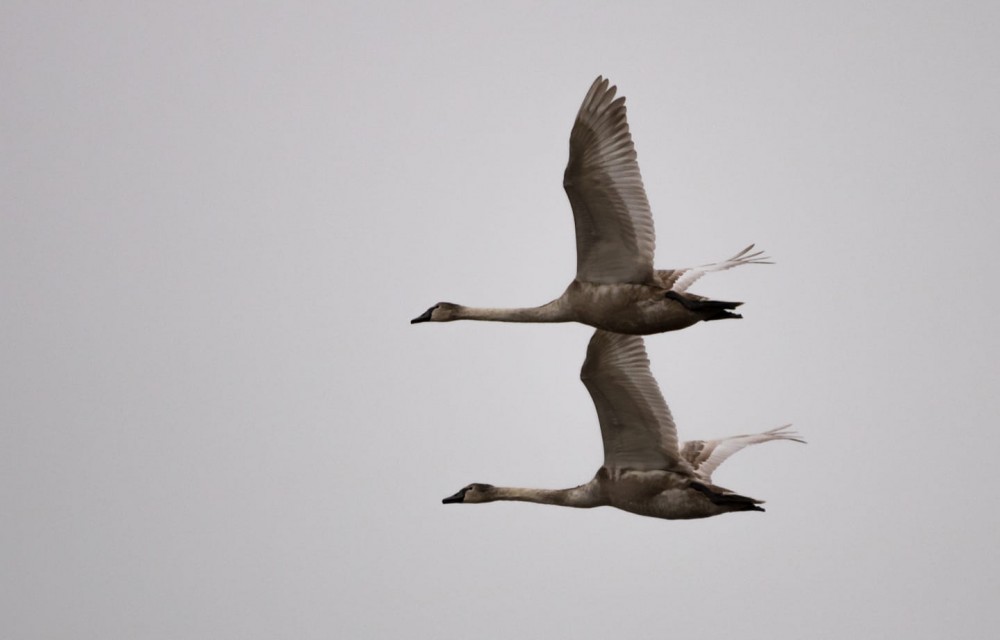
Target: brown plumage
{"x": 645, "y": 471}
{"x": 616, "y": 287}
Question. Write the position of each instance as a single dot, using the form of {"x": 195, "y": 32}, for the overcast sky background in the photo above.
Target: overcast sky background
{"x": 218, "y": 218}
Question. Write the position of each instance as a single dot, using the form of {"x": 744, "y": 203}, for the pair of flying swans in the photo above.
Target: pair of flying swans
{"x": 616, "y": 287}
{"x": 618, "y": 291}
{"x": 645, "y": 470}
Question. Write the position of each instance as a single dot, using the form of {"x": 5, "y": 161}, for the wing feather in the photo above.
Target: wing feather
{"x": 706, "y": 455}
{"x": 615, "y": 239}
{"x": 680, "y": 280}
{"x": 636, "y": 426}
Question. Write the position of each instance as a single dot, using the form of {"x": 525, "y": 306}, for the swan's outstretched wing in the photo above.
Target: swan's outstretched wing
{"x": 636, "y": 425}
{"x": 614, "y": 227}
{"x": 706, "y": 455}
{"x": 680, "y": 280}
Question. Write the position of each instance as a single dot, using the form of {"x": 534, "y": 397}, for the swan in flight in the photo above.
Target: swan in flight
{"x": 645, "y": 470}
{"x": 616, "y": 287}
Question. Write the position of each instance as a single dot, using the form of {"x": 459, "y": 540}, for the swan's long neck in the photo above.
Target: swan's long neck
{"x": 551, "y": 312}
{"x": 582, "y": 497}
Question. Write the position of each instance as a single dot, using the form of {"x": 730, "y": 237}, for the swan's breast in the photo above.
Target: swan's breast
{"x": 658, "y": 494}
{"x": 636, "y": 309}
{"x": 613, "y": 307}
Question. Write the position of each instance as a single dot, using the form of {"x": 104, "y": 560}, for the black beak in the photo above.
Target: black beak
{"x": 458, "y": 498}
{"x": 424, "y": 317}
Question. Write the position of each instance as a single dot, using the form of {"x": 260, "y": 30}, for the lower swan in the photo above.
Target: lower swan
{"x": 645, "y": 471}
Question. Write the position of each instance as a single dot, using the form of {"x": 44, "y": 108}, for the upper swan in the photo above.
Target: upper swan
{"x": 645, "y": 470}
{"x": 616, "y": 287}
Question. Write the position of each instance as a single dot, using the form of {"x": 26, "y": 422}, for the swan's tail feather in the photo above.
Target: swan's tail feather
{"x": 732, "y": 501}
{"x": 722, "y": 314}
{"x": 708, "y": 309}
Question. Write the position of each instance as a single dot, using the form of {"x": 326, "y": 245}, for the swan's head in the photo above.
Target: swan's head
{"x": 441, "y": 312}
{"x": 475, "y": 492}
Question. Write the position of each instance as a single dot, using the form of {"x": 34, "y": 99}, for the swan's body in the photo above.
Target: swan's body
{"x": 616, "y": 287}
{"x": 645, "y": 470}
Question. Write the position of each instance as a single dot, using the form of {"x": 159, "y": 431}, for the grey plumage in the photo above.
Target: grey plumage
{"x": 616, "y": 287}
{"x": 645, "y": 471}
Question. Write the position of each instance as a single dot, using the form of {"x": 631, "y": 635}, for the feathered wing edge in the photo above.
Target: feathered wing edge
{"x": 705, "y": 456}
{"x": 614, "y": 225}
{"x": 680, "y": 280}
{"x": 637, "y": 428}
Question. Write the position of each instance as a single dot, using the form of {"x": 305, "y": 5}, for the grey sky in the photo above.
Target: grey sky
{"x": 217, "y": 219}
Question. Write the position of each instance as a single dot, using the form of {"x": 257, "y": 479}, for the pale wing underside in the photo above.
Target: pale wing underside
{"x": 614, "y": 227}
{"x": 636, "y": 426}
{"x": 706, "y": 455}
{"x": 680, "y": 280}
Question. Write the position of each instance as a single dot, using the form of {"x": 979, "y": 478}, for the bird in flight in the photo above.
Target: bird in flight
{"x": 645, "y": 471}
{"x": 616, "y": 287}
